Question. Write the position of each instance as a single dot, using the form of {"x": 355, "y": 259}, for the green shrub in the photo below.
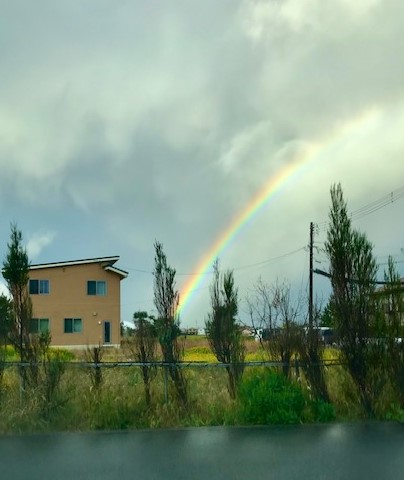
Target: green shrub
{"x": 270, "y": 398}
{"x": 395, "y": 413}
{"x": 323, "y": 411}
{"x": 111, "y": 413}
{"x": 11, "y": 355}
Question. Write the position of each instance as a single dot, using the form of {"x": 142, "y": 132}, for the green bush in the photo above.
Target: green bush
{"x": 270, "y": 398}
{"x": 395, "y": 413}
{"x": 323, "y": 411}
{"x": 10, "y": 354}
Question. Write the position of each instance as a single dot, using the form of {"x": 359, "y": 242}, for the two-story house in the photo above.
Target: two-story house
{"x": 78, "y": 301}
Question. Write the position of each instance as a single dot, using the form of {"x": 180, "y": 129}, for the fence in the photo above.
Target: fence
{"x": 112, "y": 394}
{"x": 295, "y": 366}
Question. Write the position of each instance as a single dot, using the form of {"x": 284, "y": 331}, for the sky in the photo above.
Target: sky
{"x": 126, "y": 122}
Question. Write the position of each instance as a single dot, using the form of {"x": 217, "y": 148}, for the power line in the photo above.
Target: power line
{"x": 242, "y": 267}
{"x": 269, "y": 259}
{"x": 371, "y": 207}
{"x": 386, "y": 263}
{"x": 378, "y": 204}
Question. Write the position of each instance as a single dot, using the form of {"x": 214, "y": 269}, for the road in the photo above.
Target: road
{"x": 334, "y": 451}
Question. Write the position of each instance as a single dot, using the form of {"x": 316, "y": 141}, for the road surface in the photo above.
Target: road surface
{"x": 333, "y": 451}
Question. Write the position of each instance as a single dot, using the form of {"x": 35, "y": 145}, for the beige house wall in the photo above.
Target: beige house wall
{"x": 68, "y": 298}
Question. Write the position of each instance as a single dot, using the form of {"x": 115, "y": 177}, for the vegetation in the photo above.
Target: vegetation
{"x": 367, "y": 379}
{"x": 15, "y": 272}
{"x": 268, "y": 397}
{"x": 272, "y": 310}
{"x": 49, "y": 374}
{"x": 263, "y": 394}
{"x": 311, "y": 354}
{"x": 353, "y": 278}
{"x": 393, "y": 303}
{"x": 94, "y": 355}
{"x": 6, "y": 319}
{"x": 143, "y": 348}
{"x": 222, "y": 330}
{"x": 166, "y": 300}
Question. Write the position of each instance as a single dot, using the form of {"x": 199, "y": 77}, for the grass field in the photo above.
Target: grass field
{"x": 119, "y": 401}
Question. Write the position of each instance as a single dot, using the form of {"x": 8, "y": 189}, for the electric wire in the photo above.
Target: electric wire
{"x": 371, "y": 207}
{"x": 242, "y": 267}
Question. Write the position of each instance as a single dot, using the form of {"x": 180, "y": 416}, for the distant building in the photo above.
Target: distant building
{"x": 77, "y": 301}
{"x": 248, "y": 331}
{"x": 189, "y": 331}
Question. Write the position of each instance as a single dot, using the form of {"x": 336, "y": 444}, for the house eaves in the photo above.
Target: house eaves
{"x": 116, "y": 270}
{"x": 106, "y": 262}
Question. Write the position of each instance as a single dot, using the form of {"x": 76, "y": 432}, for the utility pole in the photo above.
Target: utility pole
{"x": 311, "y": 276}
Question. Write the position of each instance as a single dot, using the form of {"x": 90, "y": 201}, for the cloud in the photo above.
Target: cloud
{"x": 37, "y": 242}
{"x": 122, "y": 124}
{"x": 241, "y": 148}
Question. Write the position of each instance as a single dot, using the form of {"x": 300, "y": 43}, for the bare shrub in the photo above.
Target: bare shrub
{"x": 275, "y": 314}
{"x": 94, "y": 355}
{"x": 143, "y": 347}
{"x": 311, "y": 352}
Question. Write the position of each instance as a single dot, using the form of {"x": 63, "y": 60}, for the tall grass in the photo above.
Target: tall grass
{"x": 119, "y": 403}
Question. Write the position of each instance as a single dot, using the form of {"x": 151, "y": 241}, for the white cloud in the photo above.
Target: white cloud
{"x": 275, "y": 19}
{"x": 120, "y": 125}
{"x": 243, "y": 144}
{"x": 38, "y": 241}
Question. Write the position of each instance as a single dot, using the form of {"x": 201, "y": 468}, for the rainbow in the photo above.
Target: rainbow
{"x": 287, "y": 174}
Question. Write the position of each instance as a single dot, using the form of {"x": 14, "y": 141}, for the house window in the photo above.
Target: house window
{"x": 73, "y": 325}
{"x": 39, "y": 325}
{"x": 97, "y": 287}
{"x": 39, "y": 287}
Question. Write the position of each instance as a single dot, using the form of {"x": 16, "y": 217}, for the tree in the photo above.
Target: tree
{"x": 166, "y": 300}
{"x": 392, "y": 307}
{"x": 222, "y": 330}
{"x": 286, "y": 339}
{"x": 16, "y": 274}
{"x": 260, "y": 307}
{"x": 311, "y": 350}
{"x": 143, "y": 347}
{"x": 327, "y": 316}
{"x": 353, "y": 274}
{"x": 6, "y": 319}
{"x": 273, "y": 310}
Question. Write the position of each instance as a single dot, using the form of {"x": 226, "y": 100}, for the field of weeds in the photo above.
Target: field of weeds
{"x": 116, "y": 400}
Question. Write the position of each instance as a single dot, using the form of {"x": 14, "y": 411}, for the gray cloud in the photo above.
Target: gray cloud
{"x": 125, "y": 122}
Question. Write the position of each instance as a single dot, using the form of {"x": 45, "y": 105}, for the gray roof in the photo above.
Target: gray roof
{"x": 106, "y": 262}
